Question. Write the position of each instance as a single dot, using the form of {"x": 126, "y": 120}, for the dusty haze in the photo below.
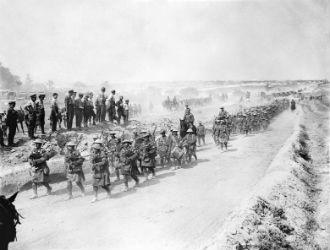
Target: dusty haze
{"x": 131, "y": 41}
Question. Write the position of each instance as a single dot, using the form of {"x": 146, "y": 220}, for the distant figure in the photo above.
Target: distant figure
{"x": 54, "y": 113}
{"x": 293, "y": 105}
{"x": 69, "y": 107}
{"x": 126, "y": 112}
{"x": 11, "y": 122}
{"x": 120, "y": 109}
{"x": 201, "y": 133}
{"x": 41, "y": 113}
{"x": 31, "y": 115}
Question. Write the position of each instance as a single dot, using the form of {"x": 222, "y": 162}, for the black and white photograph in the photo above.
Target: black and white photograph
{"x": 164, "y": 124}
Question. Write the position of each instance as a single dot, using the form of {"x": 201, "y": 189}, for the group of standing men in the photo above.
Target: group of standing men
{"x": 86, "y": 111}
{"x": 81, "y": 107}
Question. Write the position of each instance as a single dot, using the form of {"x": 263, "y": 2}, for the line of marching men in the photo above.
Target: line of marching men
{"x": 249, "y": 120}
{"x": 127, "y": 157}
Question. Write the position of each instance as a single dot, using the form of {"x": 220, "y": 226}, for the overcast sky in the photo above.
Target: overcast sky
{"x": 95, "y": 40}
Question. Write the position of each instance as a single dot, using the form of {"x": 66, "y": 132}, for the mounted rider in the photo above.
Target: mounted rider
{"x": 188, "y": 116}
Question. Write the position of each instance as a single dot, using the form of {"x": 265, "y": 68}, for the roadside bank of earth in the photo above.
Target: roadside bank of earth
{"x": 287, "y": 209}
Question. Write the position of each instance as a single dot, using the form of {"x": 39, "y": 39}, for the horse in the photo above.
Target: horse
{"x": 184, "y": 127}
{"x": 9, "y": 218}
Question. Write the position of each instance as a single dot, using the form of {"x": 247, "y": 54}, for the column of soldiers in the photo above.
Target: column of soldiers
{"x": 249, "y": 120}
{"x": 126, "y": 157}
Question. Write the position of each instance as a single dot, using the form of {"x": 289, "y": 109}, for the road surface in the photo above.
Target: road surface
{"x": 180, "y": 209}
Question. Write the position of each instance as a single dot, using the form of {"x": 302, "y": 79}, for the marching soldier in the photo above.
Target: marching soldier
{"x": 163, "y": 147}
{"x": 216, "y": 132}
{"x": 69, "y": 107}
{"x": 223, "y": 135}
{"x": 190, "y": 141}
{"x": 31, "y": 115}
{"x": 54, "y": 113}
{"x": 100, "y": 168}
{"x": 127, "y": 156}
{"x": 175, "y": 147}
{"x": 112, "y": 146}
{"x": 11, "y": 122}
{"x": 39, "y": 169}
{"x": 74, "y": 171}
{"x": 201, "y": 133}
{"x": 41, "y": 112}
{"x": 79, "y": 110}
{"x": 149, "y": 152}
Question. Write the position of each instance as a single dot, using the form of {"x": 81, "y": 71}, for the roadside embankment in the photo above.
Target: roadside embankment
{"x": 283, "y": 210}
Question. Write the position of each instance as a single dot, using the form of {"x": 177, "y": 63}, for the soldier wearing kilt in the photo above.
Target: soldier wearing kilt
{"x": 127, "y": 159}
{"x": 148, "y": 154}
{"x": 100, "y": 169}
{"x": 216, "y": 131}
{"x": 223, "y": 135}
{"x": 162, "y": 147}
{"x": 39, "y": 170}
{"x": 73, "y": 165}
{"x": 190, "y": 142}
{"x": 113, "y": 154}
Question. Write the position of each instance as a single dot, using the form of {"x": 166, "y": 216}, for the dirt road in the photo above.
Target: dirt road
{"x": 178, "y": 210}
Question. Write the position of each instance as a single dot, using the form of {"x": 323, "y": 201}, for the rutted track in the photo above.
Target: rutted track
{"x": 179, "y": 209}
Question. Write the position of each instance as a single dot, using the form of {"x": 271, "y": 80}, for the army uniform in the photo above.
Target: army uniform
{"x": 11, "y": 123}
{"x": 113, "y": 156}
{"x": 100, "y": 169}
{"x": 86, "y": 110}
{"x": 127, "y": 156}
{"x": 126, "y": 112}
{"x": 79, "y": 111}
{"x": 101, "y": 105}
{"x": 222, "y": 114}
{"x": 148, "y": 154}
{"x": 112, "y": 107}
{"x": 92, "y": 114}
{"x": 41, "y": 113}
{"x": 223, "y": 135}
{"x": 120, "y": 109}
{"x": 189, "y": 118}
{"x": 54, "y": 114}
{"x": 74, "y": 172}
{"x": 190, "y": 142}
{"x": 216, "y": 132}
{"x": 201, "y": 133}
{"x": 175, "y": 147}
{"x": 31, "y": 116}
{"x": 39, "y": 170}
{"x": 69, "y": 106}
{"x": 163, "y": 148}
